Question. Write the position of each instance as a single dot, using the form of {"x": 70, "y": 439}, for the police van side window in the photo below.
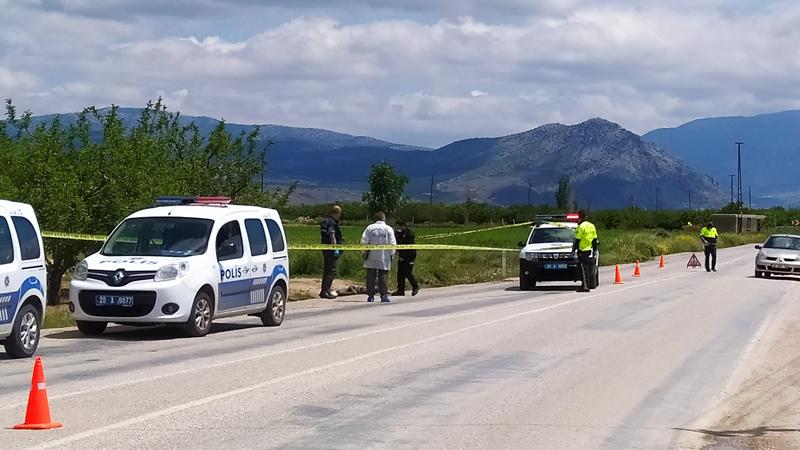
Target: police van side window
{"x": 28, "y": 239}
{"x": 6, "y": 244}
{"x": 229, "y": 242}
{"x": 275, "y": 235}
{"x": 256, "y": 236}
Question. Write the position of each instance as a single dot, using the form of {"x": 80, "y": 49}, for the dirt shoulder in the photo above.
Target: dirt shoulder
{"x": 760, "y": 407}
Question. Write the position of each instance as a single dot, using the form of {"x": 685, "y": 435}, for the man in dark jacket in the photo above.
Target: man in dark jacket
{"x": 406, "y": 259}
{"x": 330, "y": 234}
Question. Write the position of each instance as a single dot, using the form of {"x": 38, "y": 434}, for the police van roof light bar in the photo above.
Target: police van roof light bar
{"x": 213, "y": 200}
{"x": 174, "y": 200}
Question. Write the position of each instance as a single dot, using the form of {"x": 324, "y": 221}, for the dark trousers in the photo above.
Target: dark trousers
{"x": 405, "y": 271}
{"x": 329, "y": 270}
{"x": 711, "y": 251}
{"x": 587, "y": 268}
{"x": 382, "y": 279}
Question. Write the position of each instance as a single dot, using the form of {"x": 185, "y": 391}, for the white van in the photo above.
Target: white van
{"x": 186, "y": 261}
{"x": 23, "y": 278}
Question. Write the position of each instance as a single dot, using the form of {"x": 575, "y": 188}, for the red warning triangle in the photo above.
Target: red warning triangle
{"x": 693, "y": 261}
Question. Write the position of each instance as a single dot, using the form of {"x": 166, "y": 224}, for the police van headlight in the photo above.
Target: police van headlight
{"x": 81, "y": 271}
{"x": 172, "y": 271}
{"x": 530, "y": 256}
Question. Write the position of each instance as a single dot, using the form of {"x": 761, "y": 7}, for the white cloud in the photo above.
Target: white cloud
{"x": 415, "y": 81}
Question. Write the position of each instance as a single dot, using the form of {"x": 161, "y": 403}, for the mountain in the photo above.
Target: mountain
{"x": 770, "y": 153}
{"x": 608, "y": 165}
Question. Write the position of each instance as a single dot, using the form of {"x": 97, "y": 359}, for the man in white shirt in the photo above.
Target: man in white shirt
{"x": 378, "y": 262}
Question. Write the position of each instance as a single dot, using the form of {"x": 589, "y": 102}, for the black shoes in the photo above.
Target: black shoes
{"x": 398, "y": 294}
{"x": 415, "y": 291}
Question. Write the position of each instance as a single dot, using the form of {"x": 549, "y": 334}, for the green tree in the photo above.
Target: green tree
{"x": 386, "y": 189}
{"x": 563, "y": 193}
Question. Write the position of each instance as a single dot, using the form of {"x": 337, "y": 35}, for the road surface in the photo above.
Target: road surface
{"x": 481, "y": 366}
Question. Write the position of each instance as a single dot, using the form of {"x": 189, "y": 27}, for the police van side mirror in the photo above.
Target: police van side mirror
{"x": 758, "y": 247}
{"x": 520, "y": 244}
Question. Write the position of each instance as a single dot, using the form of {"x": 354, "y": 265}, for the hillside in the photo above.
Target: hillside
{"x": 770, "y": 154}
{"x": 609, "y": 166}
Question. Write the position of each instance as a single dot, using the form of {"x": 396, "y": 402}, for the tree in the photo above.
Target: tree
{"x": 563, "y": 193}
{"x": 386, "y": 189}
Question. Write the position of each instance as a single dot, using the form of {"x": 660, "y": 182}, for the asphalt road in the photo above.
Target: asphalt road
{"x": 482, "y": 366}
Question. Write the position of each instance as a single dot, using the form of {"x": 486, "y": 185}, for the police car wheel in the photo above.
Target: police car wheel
{"x": 24, "y": 338}
{"x": 91, "y": 328}
{"x": 276, "y": 308}
{"x": 199, "y": 323}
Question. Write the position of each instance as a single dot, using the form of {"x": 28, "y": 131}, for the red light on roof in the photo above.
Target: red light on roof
{"x": 213, "y": 200}
{"x": 573, "y": 217}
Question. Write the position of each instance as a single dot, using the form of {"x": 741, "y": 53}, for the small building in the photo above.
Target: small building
{"x": 738, "y": 223}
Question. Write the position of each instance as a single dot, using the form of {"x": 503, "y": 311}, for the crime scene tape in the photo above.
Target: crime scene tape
{"x": 480, "y": 230}
{"x": 99, "y": 238}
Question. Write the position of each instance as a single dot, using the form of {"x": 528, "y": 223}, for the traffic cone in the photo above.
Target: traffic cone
{"x": 661, "y": 264}
{"x": 617, "y": 275}
{"x": 37, "y": 416}
{"x": 636, "y": 271}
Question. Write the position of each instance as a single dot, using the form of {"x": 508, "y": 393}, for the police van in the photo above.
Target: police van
{"x": 23, "y": 278}
{"x": 547, "y": 254}
{"x": 186, "y": 261}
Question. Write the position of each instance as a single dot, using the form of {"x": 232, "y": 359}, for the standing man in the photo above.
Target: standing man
{"x": 708, "y": 234}
{"x": 405, "y": 260}
{"x": 586, "y": 246}
{"x": 330, "y": 234}
{"x": 378, "y": 262}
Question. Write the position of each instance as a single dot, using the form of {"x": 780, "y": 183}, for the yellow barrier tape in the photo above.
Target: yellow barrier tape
{"x": 99, "y": 238}
{"x": 73, "y": 236}
{"x": 397, "y": 247}
{"x": 480, "y": 230}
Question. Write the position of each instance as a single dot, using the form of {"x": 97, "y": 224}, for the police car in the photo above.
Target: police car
{"x": 23, "y": 278}
{"x": 547, "y": 254}
{"x": 186, "y": 261}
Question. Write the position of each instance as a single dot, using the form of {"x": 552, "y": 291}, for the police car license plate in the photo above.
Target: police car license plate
{"x": 113, "y": 300}
{"x": 560, "y": 266}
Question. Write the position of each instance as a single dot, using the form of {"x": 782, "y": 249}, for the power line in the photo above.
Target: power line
{"x": 739, "y": 168}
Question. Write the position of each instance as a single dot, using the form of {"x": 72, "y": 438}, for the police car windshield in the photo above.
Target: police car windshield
{"x": 159, "y": 236}
{"x": 783, "y": 243}
{"x": 552, "y": 235}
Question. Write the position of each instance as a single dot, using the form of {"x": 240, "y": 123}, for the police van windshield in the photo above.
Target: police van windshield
{"x": 783, "y": 243}
{"x": 548, "y": 235}
{"x": 159, "y": 236}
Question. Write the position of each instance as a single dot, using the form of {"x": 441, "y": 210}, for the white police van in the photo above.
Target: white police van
{"x": 186, "y": 261}
{"x": 23, "y": 278}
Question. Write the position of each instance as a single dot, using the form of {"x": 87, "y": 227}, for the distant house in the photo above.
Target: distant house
{"x": 738, "y": 223}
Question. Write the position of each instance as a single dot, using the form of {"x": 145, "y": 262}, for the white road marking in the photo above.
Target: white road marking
{"x": 199, "y": 402}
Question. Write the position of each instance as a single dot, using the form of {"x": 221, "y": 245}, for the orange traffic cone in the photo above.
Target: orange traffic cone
{"x": 636, "y": 271}
{"x": 617, "y": 275}
{"x": 37, "y": 416}
{"x": 661, "y": 263}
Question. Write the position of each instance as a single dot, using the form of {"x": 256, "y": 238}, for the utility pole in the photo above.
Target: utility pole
{"x": 263, "y": 160}
{"x": 658, "y": 199}
{"x": 732, "y": 178}
{"x": 530, "y": 186}
{"x": 430, "y": 205}
{"x": 690, "y": 200}
{"x": 750, "y": 197}
{"x": 739, "y": 174}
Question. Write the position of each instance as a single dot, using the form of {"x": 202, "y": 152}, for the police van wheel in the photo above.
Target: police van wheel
{"x": 276, "y": 308}
{"x": 759, "y": 274}
{"x": 91, "y": 328}
{"x": 199, "y": 323}
{"x": 24, "y": 338}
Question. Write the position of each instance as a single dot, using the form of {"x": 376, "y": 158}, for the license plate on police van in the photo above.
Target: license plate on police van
{"x": 560, "y": 266}
{"x": 113, "y": 300}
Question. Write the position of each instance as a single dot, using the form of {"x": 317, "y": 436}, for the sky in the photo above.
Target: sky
{"x": 420, "y": 72}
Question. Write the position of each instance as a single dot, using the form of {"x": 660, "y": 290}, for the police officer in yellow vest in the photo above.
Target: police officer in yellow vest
{"x": 586, "y": 246}
{"x": 708, "y": 234}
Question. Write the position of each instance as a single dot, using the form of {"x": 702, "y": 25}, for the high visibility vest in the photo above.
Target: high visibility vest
{"x": 709, "y": 232}
{"x": 586, "y": 233}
